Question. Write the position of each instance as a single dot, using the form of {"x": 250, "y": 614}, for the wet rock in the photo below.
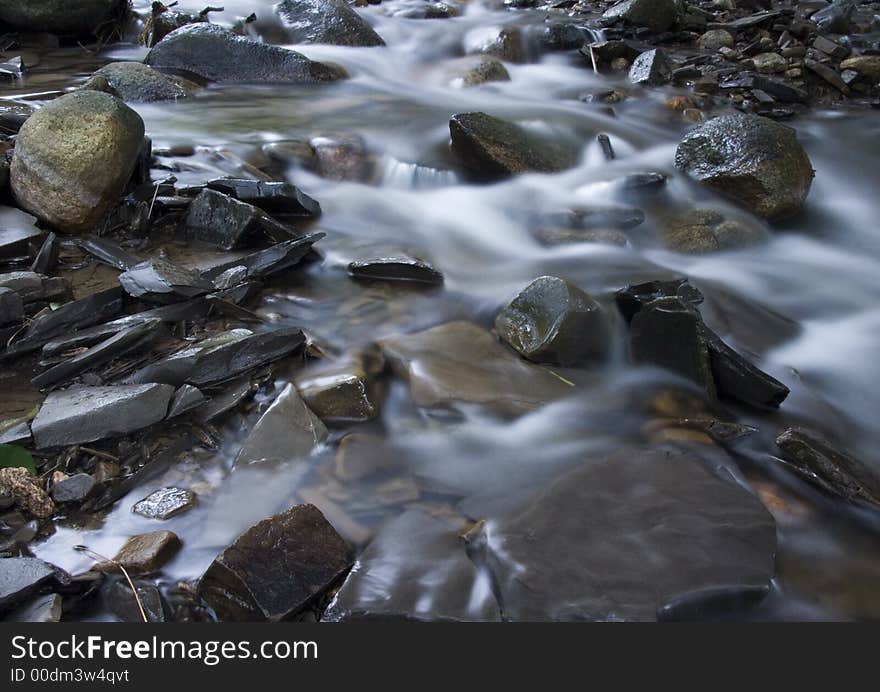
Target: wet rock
{"x": 73, "y": 157}
{"x": 651, "y": 526}
{"x": 835, "y": 18}
{"x": 346, "y": 390}
{"x": 868, "y": 66}
{"x": 487, "y": 70}
{"x": 45, "y": 608}
{"x": 409, "y": 269}
{"x": 145, "y": 553}
{"x": 769, "y": 63}
{"x": 227, "y": 222}
{"x": 275, "y": 198}
{"x": 21, "y": 578}
{"x": 651, "y": 68}
{"x": 27, "y": 492}
{"x": 828, "y": 74}
{"x": 159, "y": 279}
{"x": 87, "y": 414}
{"x": 553, "y": 321}
{"x": 272, "y": 260}
{"x": 342, "y": 158}
{"x": 833, "y": 471}
{"x": 185, "y": 399}
{"x": 11, "y": 306}
{"x": 505, "y": 43}
{"x": 325, "y": 21}
{"x": 416, "y": 569}
{"x": 127, "y": 340}
{"x": 706, "y": 230}
{"x": 669, "y": 333}
{"x": 715, "y": 39}
{"x": 221, "y": 358}
{"x": 737, "y": 378}
{"x": 605, "y": 217}
{"x": 108, "y": 252}
{"x": 550, "y": 237}
{"x": 490, "y": 148}
{"x": 135, "y": 82}
{"x": 657, "y": 15}
{"x": 604, "y": 53}
{"x": 754, "y": 160}
{"x": 47, "y": 257}
{"x": 32, "y": 287}
{"x": 632, "y": 299}
{"x": 830, "y": 48}
{"x": 76, "y": 488}
{"x": 461, "y": 363}
{"x": 162, "y": 21}
{"x": 121, "y": 601}
{"x": 276, "y": 568}
{"x": 288, "y": 430}
{"x": 59, "y": 16}
{"x": 218, "y": 55}
{"x": 165, "y": 503}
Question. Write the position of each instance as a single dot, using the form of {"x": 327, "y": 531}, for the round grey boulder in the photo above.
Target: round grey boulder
{"x": 59, "y": 16}
{"x": 135, "y": 82}
{"x": 753, "y": 160}
{"x": 73, "y": 158}
{"x": 553, "y": 321}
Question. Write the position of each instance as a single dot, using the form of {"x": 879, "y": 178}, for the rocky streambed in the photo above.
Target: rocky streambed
{"x": 439, "y": 311}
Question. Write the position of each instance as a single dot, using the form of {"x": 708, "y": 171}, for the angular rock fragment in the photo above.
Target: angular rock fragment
{"x": 165, "y": 503}
{"x": 651, "y": 68}
{"x": 47, "y": 257}
{"x": 756, "y": 161}
{"x": 108, "y": 252}
{"x": 288, "y": 430}
{"x": 275, "y": 198}
{"x": 11, "y": 306}
{"x": 32, "y": 287}
{"x": 45, "y": 608}
{"x": 657, "y": 15}
{"x": 87, "y": 414}
{"x": 227, "y": 222}
{"x": 409, "y": 269}
{"x": 416, "y": 569}
{"x": 461, "y": 363}
{"x": 272, "y": 260}
{"x": 737, "y": 378}
{"x": 831, "y": 470}
{"x": 21, "y": 578}
{"x": 76, "y": 488}
{"x": 325, "y": 21}
{"x": 122, "y": 603}
{"x": 553, "y": 321}
{"x": 145, "y": 553}
{"x": 345, "y": 390}
{"x": 73, "y": 157}
{"x": 650, "y": 527}
{"x": 221, "y": 358}
{"x": 276, "y": 568}
{"x": 633, "y": 298}
{"x": 490, "y": 148}
{"x": 216, "y": 54}
{"x": 158, "y": 279}
{"x": 185, "y": 399}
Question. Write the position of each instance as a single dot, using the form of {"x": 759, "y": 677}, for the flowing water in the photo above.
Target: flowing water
{"x": 804, "y": 304}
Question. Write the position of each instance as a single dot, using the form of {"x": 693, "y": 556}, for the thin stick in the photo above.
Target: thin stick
{"x": 91, "y": 553}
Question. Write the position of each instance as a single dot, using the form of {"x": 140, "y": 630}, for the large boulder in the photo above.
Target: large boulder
{"x": 657, "y": 15}
{"x": 490, "y": 148}
{"x": 216, "y": 54}
{"x": 73, "y": 158}
{"x": 754, "y": 160}
{"x": 59, "y": 16}
{"x": 325, "y": 21}
{"x": 134, "y": 82}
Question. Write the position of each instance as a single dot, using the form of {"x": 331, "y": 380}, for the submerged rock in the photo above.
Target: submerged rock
{"x": 73, "y": 158}
{"x": 135, "y": 82}
{"x": 60, "y": 16}
{"x": 651, "y": 527}
{"x": 553, "y": 321}
{"x": 87, "y": 414}
{"x": 754, "y": 160}
{"x": 287, "y": 430}
{"x": 21, "y": 578}
{"x": 216, "y": 54}
{"x": 276, "y": 568}
{"x": 346, "y": 390}
{"x": 486, "y": 70}
{"x": 416, "y": 569}
{"x": 325, "y": 21}
{"x": 657, "y": 15}
{"x": 739, "y": 379}
{"x": 165, "y": 503}
{"x": 490, "y": 148}
{"x": 698, "y": 231}
{"x": 831, "y": 470}
{"x": 461, "y": 363}
{"x": 144, "y": 554}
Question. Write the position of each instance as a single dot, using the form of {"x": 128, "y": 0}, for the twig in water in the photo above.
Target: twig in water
{"x": 97, "y": 556}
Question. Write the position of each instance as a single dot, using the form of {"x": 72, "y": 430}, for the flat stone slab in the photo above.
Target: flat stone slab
{"x": 144, "y": 554}
{"x": 165, "y": 503}
{"x": 20, "y": 578}
{"x": 86, "y": 414}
